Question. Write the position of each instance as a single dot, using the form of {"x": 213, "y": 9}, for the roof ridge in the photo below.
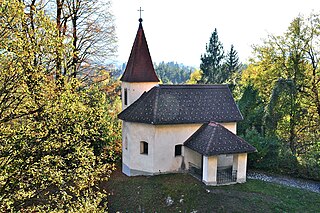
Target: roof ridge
{"x": 211, "y": 136}
{"x": 229, "y": 131}
{"x": 155, "y": 109}
{"x": 207, "y": 143}
{"x": 188, "y": 86}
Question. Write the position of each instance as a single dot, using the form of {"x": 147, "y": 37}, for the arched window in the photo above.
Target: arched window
{"x": 178, "y": 150}
{"x": 143, "y": 147}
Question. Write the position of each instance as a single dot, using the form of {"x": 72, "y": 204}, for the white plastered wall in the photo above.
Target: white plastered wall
{"x": 191, "y": 156}
{"x": 231, "y": 126}
{"x": 161, "y": 140}
{"x": 209, "y": 172}
{"x": 134, "y": 91}
{"x": 132, "y": 160}
{"x": 167, "y": 137}
{"x": 241, "y": 164}
{"x": 225, "y": 160}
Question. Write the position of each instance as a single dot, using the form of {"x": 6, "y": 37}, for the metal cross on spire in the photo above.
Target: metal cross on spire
{"x": 140, "y": 10}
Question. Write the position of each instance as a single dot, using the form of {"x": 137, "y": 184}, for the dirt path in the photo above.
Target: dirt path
{"x": 313, "y": 186}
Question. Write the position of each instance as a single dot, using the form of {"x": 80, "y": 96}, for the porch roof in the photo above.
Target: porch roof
{"x": 214, "y": 139}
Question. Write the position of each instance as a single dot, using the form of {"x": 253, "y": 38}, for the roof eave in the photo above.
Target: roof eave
{"x": 174, "y": 123}
{"x": 228, "y": 153}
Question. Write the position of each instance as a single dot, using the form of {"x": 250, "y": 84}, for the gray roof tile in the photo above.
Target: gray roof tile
{"x": 181, "y": 104}
{"x": 214, "y": 139}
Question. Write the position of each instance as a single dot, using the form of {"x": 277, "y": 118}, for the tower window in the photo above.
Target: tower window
{"x": 125, "y": 96}
{"x": 178, "y": 150}
{"x": 143, "y": 147}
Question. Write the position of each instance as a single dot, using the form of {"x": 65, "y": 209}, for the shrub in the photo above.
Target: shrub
{"x": 52, "y": 160}
{"x": 267, "y": 150}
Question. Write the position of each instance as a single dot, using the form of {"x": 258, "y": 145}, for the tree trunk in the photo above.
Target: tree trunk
{"x": 75, "y": 58}
{"x": 59, "y": 27}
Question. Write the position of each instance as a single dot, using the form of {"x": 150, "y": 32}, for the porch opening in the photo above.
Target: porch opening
{"x": 226, "y": 175}
{"x": 195, "y": 171}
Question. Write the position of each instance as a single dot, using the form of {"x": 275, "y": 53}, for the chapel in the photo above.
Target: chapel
{"x": 178, "y": 128}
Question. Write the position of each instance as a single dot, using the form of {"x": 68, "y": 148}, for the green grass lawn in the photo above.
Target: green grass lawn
{"x": 148, "y": 194}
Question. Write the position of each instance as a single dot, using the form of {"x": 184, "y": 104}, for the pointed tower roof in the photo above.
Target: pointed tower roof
{"x": 140, "y": 67}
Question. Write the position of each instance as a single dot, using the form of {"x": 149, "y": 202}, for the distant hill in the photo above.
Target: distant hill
{"x": 168, "y": 72}
{"x": 172, "y": 72}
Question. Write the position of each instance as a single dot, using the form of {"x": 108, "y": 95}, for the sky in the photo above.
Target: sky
{"x": 178, "y": 30}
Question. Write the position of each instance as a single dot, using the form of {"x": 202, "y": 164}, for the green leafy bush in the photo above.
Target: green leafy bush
{"x": 267, "y": 154}
{"x": 53, "y": 160}
{"x": 59, "y": 138}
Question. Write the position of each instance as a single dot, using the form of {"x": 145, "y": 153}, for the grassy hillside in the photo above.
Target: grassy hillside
{"x": 149, "y": 194}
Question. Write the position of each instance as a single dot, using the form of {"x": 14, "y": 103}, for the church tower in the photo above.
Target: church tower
{"x": 139, "y": 75}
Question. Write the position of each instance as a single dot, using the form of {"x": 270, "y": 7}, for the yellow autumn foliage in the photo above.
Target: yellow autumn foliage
{"x": 58, "y": 139}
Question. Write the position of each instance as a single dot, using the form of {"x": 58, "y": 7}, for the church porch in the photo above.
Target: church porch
{"x": 216, "y": 155}
{"x": 214, "y": 170}
{"x": 217, "y": 172}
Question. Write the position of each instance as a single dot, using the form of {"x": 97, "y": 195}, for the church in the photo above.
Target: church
{"x": 178, "y": 128}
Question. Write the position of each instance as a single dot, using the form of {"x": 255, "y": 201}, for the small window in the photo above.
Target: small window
{"x": 125, "y": 96}
{"x": 143, "y": 147}
{"x": 178, "y": 150}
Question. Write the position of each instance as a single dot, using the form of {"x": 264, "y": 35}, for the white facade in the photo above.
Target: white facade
{"x": 240, "y": 164}
{"x": 150, "y": 149}
{"x": 167, "y": 137}
{"x": 161, "y": 140}
{"x": 133, "y": 161}
{"x": 209, "y": 170}
{"x": 131, "y": 91}
{"x": 210, "y": 165}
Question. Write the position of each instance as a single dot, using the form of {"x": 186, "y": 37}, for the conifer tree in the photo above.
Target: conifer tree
{"x": 211, "y": 61}
{"x": 232, "y": 63}
{"x": 232, "y": 69}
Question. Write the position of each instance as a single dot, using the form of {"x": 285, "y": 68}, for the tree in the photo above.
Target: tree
{"x": 172, "y": 72}
{"x": 267, "y": 156}
{"x": 58, "y": 141}
{"x": 195, "y": 77}
{"x": 232, "y": 70}
{"x": 232, "y": 63}
{"x": 93, "y": 35}
{"x": 88, "y": 26}
{"x": 211, "y": 61}
{"x": 27, "y": 51}
{"x": 252, "y": 110}
{"x": 285, "y": 73}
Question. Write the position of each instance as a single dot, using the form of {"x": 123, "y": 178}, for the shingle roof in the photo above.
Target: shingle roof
{"x": 140, "y": 67}
{"x": 214, "y": 139}
{"x": 181, "y": 104}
